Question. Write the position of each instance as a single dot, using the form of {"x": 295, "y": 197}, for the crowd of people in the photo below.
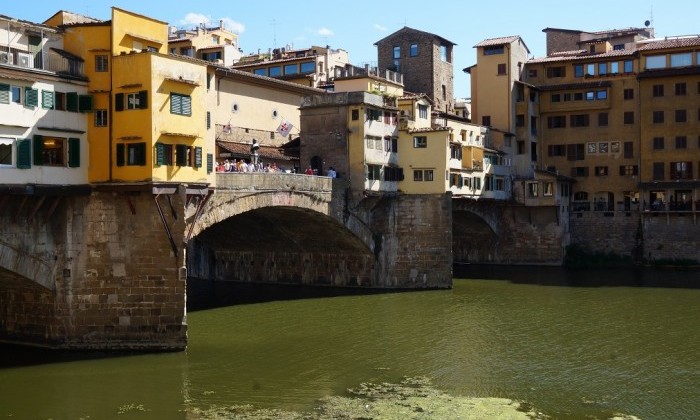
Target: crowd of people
{"x": 240, "y": 165}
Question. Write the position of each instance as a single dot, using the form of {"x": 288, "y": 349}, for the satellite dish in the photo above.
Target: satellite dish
{"x": 647, "y": 23}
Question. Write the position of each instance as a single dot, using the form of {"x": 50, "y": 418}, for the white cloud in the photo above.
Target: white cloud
{"x": 325, "y": 32}
{"x": 195, "y": 19}
{"x": 380, "y": 28}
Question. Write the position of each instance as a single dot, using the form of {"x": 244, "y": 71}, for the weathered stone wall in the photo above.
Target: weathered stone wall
{"x": 671, "y": 236}
{"x": 558, "y": 41}
{"x": 115, "y": 281}
{"x": 502, "y": 233}
{"x": 606, "y": 232}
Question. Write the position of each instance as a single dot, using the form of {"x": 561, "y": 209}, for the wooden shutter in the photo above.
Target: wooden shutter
{"x": 4, "y": 93}
{"x": 72, "y": 102}
{"x": 175, "y": 103}
{"x": 85, "y": 103}
{"x": 197, "y": 157}
{"x": 143, "y": 99}
{"x": 210, "y": 163}
{"x": 73, "y": 152}
{"x": 160, "y": 154}
{"x": 570, "y": 152}
{"x": 38, "y": 150}
{"x": 119, "y": 102}
{"x": 24, "y": 153}
{"x": 31, "y": 97}
{"x": 186, "y": 105}
{"x": 120, "y": 154}
{"x": 46, "y": 99}
{"x": 208, "y": 120}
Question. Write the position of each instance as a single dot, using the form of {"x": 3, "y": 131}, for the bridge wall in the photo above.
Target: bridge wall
{"x": 113, "y": 281}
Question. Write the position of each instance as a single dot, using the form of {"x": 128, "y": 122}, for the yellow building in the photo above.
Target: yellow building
{"x": 217, "y": 45}
{"x": 149, "y": 122}
{"x": 669, "y": 98}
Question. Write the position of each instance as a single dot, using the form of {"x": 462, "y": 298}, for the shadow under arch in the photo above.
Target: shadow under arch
{"x": 473, "y": 239}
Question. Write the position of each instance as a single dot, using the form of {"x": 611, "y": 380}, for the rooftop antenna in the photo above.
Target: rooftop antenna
{"x": 650, "y": 22}
{"x": 274, "y": 33}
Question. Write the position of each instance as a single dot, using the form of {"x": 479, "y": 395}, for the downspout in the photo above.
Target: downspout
{"x": 109, "y": 102}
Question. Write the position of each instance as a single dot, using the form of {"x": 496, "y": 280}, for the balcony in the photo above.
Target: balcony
{"x": 55, "y": 60}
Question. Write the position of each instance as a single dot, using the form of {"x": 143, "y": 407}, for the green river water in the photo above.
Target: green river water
{"x": 508, "y": 343}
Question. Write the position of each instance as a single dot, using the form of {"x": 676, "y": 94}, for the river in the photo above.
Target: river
{"x": 502, "y": 342}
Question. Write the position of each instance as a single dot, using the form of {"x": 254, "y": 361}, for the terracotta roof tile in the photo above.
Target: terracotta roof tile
{"x": 265, "y": 152}
{"x": 671, "y": 43}
{"x": 586, "y": 56}
{"x": 497, "y": 41}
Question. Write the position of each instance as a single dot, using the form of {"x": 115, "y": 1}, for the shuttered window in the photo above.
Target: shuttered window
{"x": 47, "y": 98}
{"x": 120, "y": 154}
{"x": 4, "y": 93}
{"x": 210, "y": 163}
{"x": 181, "y": 155}
{"x": 72, "y": 102}
{"x": 24, "y": 153}
{"x": 197, "y": 157}
{"x": 84, "y": 103}
{"x": 31, "y": 97}
{"x": 38, "y": 150}
{"x": 180, "y": 104}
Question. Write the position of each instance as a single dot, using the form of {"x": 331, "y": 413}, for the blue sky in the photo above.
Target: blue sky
{"x": 358, "y": 24}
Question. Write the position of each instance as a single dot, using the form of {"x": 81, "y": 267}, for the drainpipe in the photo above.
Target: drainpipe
{"x": 109, "y": 102}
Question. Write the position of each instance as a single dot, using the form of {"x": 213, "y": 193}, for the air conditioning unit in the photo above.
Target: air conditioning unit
{"x": 25, "y": 60}
{"x": 5, "y": 57}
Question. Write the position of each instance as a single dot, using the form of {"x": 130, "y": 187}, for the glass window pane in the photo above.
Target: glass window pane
{"x": 656, "y": 62}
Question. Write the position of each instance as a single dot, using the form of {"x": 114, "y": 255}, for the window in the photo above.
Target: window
{"x": 578, "y": 96}
{"x": 520, "y": 120}
{"x": 656, "y": 62}
{"x": 601, "y": 171}
{"x": 567, "y": 97}
{"x": 428, "y": 175}
{"x": 532, "y": 189}
{"x": 657, "y": 117}
{"x": 260, "y": 72}
{"x": 681, "y": 142}
{"x": 7, "y": 146}
{"x": 680, "y": 89}
{"x": 602, "y": 119}
{"x": 556, "y": 150}
{"x": 184, "y": 155}
{"x": 131, "y": 154}
{"x": 180, "y": 104}
{"x": 133, "y": 100}
{"x": 274, "y": 71}
{"x": 658, "y": 171}
{"x": 445, "y": 55}
{"x": 308, "y": 67}
{"x": 4, "y": 93}
{"x": 558, "y": 121}
{"x": 681, "y": 170}
{"x": 681, "y": 60}
{"x": 602, "y": 69}
{"x": 657, "y": 90}
{"x": 531, "y": 73}
{"x": 420, "y": 142}
{"x": 579, "y": 120}
{"x": 578, "y": 70}
{"x": 59, "y": 101}
{"x": 101, "y": 63}
{"x": 56, "y": 151}
{"x": 629, "y": 170}
{"x": 31, "y": 97}
{"x": 355, "y": 114}
{"x": 291, "y": 69}
{"x": 501, "y": 69}
{"x": 556, "y": 72}
{"x": 555, "y": 97}
{"x": 579, "y": 171}
{"x": 575, "y": 151}
{"x": 520, "y": 144}
{"x": 164, "y": 154}
{"x": 628, "y": 66}
{"x": 374, "y": 172}
{"x": 397, "y": 52}
{"x": 423, "y": 111}
{"x": 628, "y": 117}
{"x": 486, "y": 120}
{"x": 658, "y": 143}
{"x": 548, "y": 189}
{"x": 494, "y": 50}
{"x": 628, "y": 149}
{"x": 413, "y": 50}
{"x": 100, "y": 118}
{"x": 628, "y": 94}
{"x": 590, "y": 69}
{"x": 681, "y": 116}
{"x": 601, "y": 95}
{"x": 614, "y": 67}
{"x": 418, "y": 175}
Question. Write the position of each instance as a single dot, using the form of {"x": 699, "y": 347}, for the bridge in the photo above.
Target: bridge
{"x": 108, "y": 269}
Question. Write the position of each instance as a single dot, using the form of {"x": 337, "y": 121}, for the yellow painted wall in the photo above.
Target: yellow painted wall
{"x": 435, "y": 156}
{"x": 130, "y": 30}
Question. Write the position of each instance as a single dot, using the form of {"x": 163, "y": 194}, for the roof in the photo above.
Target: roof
{"x": 240, "y": 74}
{"x": 277, "y": 61}
{"x": 683, "y": 42}
{"x": 26, "y": 22}
{"x": 407, "y": 29}
{"x": 428, "y": 129}
{"x": 501, "y": 41}
{"x": 264, "y": 152}
{"x": 583, "y": 56}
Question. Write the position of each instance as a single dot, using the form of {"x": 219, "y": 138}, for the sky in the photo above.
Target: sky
{"x": 356, "y": 25}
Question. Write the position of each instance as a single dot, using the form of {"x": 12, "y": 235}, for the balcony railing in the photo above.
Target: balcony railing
{"x": 54, "y": 60}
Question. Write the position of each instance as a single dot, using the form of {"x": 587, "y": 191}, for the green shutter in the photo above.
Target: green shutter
{"x": 143, "y": 99}
{"x": 175, "y": 103}
{"x": 85, "y": 103}
{"x": 119, "y": 102}
{"x": 208, "y": 120}
{"x": 46, "y": 99}
{"x": 73, "y": 153}
{"x": 140, "y": 158}
{"x": 120, "y": 154}
{"x": 210, "y": 163}
{"x": 4, "y": 93}
{"x": 31, "y": 97}
{"x": 72, "y": 101}
{"x": 197, "y": 157}
{"x": 186, "y": 105}
{"x": 160, "y": 154}
{"x": 24, "y": 153}
{"x": 181, "y": 155}
{"x": 38, "y": 150}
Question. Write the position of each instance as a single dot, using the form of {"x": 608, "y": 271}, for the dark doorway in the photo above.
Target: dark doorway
{"x": 317, "y": 165}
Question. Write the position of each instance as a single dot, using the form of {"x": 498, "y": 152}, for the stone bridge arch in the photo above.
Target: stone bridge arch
{"x": 476, "y": 230}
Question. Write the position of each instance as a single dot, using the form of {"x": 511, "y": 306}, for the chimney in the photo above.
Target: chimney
{"x": 221, "y": 24}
